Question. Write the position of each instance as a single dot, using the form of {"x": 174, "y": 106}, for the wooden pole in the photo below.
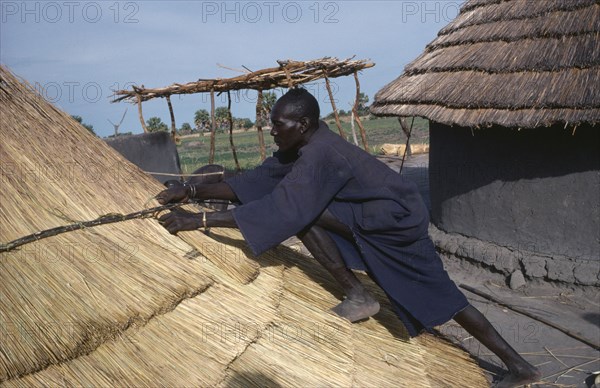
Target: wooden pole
{"x": 407, "y": 141}
{"x": 230, "y": 118}
{"x": 353, "y": 130}
{"x": 173, "y": 128}
{"x": 213, "y": 128}
{"x": 261, "y": 137}
{"x": 139, "y": 101}
{"x": 335, "y": 113}
{"x": 406, "y": 131}
{"x": 363, "y": 134}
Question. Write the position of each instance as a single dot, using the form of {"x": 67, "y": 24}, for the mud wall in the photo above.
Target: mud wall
{"x": 534, "y": 194}
{"x": 152, "y": 152}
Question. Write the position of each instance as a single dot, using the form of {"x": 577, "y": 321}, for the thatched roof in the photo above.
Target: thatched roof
{"x": 515, "y": 63}
{"x": 129, "y": 304}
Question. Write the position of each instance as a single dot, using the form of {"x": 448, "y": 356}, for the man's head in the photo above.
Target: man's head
{"x": 294, "y": 117}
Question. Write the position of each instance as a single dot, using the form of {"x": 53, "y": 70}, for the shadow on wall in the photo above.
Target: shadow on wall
{"x": 477, "y": 157}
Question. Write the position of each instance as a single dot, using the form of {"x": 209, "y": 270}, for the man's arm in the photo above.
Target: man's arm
{"x": 183, "y": 192}
{"x": 177, "y": 221}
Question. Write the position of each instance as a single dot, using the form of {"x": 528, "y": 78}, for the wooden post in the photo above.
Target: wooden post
{"x": 335, "y": 113}
{"x": 363, "y": 134}
{"x": 353, "y": 130}
{"x": 407, "y": 132}
{"x": 261, "y": 137}
{"x": 173, "y": 128}
{"x": 230, "y": 118}
{"x": 213, "y": 128}
{"x": 139, "y": 101}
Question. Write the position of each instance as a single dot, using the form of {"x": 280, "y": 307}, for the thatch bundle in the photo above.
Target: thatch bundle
{"x": 129, "y": 304}
{"x": 400, "y": 149}
{"x": 516, "y": 63}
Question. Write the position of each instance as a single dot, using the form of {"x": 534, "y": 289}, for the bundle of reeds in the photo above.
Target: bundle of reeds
{"x": 123, "y": 303}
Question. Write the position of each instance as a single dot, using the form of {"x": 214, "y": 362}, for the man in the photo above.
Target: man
{"x": 350, "y": 211}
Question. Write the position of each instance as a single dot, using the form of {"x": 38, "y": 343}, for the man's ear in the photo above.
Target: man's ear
{"x": 305, "y": 122}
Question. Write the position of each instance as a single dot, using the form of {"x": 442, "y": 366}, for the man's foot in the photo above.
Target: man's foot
{"x": 521, "y": 377}
{"x": 357, "y": 308}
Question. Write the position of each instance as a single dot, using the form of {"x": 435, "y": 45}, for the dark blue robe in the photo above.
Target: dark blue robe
{"x": 385, "y": 212}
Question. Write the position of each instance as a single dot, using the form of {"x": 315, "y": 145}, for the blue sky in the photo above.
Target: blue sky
{"x": 77, "y": 52}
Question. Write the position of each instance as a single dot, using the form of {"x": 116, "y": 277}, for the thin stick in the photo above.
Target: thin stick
{"x": 407, "y": 142}
{"x": 102, "y": 220}
{"x": 363, "y": 134}
{"x": 533, "y": 316}
{"x": 261, "y": 137}
{"x": 213, "y": 128}
{"x": 556, "y": 358}
{"x": 141, "y": 116}
{"x": 230, "y": 119}
{"x": 173, "y": 127}
{"x": 562, "y": 372}
{"x": 407, "y": 131}
{"x": 187, "y": 175}
{"x": 335, "y": 112}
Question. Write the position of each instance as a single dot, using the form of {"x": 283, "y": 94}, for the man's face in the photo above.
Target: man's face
{"x": 287, "y": 128}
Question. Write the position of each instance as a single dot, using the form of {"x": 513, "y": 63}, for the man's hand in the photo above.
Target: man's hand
{"x": 176, "y": 221}
{"x": 176, "y": 192}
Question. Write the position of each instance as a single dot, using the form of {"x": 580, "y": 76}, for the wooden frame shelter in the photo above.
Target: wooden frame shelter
{"x": 288, "y": 74}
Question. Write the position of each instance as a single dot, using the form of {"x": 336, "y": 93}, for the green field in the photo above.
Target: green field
{"x": 193, "y": 151}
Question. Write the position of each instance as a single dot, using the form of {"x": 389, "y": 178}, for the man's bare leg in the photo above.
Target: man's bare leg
{"x": 359, "y": 303}
{"x": 519, "y": 371}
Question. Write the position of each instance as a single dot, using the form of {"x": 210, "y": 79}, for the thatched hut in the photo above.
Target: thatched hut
{"x": 511, "y": 90}
{"x": 128, "y": 304}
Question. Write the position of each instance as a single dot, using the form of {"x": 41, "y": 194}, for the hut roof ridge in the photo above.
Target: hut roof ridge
{"x": 509, "y": 63}
{"x": 533, "y": 10}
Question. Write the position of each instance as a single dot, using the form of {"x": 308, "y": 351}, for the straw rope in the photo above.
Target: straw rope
{"x": 102, "y": 220}
{"x": 185, "y": 175}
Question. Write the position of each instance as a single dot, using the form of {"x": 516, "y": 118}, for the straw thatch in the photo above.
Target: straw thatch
{"x": 129, "y": 304}
{"x": 288, "y": 74}
{"x": 515, "y": 63}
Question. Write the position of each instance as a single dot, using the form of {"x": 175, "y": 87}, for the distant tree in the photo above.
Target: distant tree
{"x": 269, "y": 99}
{"x": 155, "y": 124}
{"x": 185, "y": 127}
{"x": 201, "y": 119}
{"x": 246, "y": 123}
{"x": 222, "y": 116}
{"x": 363, "y": 107}
{"x": 89, "y": 127}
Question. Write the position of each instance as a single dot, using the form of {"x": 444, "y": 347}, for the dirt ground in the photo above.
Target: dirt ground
{"x": 563, "y": 360}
